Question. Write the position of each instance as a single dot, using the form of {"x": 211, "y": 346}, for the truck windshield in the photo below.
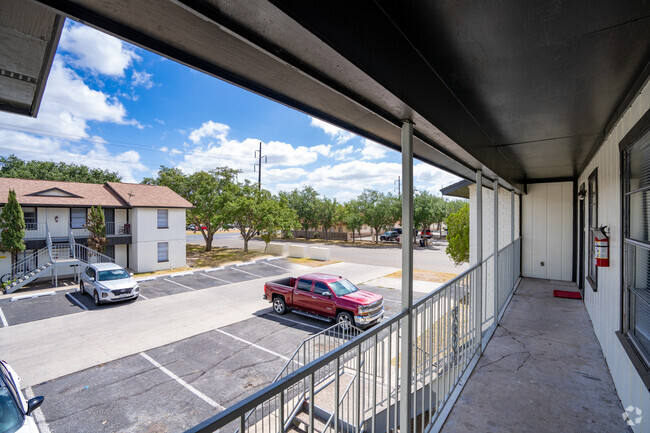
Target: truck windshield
{"x": 342, "y": 287}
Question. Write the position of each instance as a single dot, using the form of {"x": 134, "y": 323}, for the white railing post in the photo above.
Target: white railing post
{"x": 479, "y": 258}
{"x": 407, "y": 277}
{"x": 496, "y": 252}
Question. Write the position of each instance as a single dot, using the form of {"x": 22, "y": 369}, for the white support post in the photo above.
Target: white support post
{"x": 406, "y": 402}
{"x": 512, "y": 216}
{"x": 479, "y": 258}
{"x": 496, "y": 252}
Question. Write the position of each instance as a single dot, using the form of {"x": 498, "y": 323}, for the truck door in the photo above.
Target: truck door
{"x": 302, "y": 295}
{"x": 323, "y": 305}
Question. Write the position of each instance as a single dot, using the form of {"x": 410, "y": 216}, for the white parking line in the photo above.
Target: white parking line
{"x": 37, "y": 295}
{"x": 275, "y": 266}
{"x": 182, "y": 285}
{"x": 4, "y": 319}
{"x": 252, "y": 262}
{"x": 189, "y": 387}
{"x": 38, "y": 413}
{"x": 143, "y": 297}
{"x": 274, "y": 258}
{"x": 390, "y": 300}
{"x": 141, "y": 280}
{"x": 253, "y": 344}
{"x": 295, "y": 321}
{"x": 67, "y": 295}
{"x": 215, "y": 278}
{"x": 245, "y": 272}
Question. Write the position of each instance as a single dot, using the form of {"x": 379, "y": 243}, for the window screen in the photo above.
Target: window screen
{"x": 77, "y": 218}
{"x": 637, "y": 244}
{"x": 162, "y": 219}
{"x": 304, "y": 285}
{"x": 592, "y": 270}
{"x": 163, "y": 251}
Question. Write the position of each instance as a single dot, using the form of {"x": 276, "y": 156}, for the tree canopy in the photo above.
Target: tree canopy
{"x": 379, "y": 210}
{"x": 12, "y": 166}
{"x": 305, "y": 203}
{"x": 12, "y": 223}
{"x": 96, "y": 225}
{"x": 458, "y": 235}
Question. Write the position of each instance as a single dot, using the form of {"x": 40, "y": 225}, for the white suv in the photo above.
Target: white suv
{"x": 108, "y": 282}
{"x": 15, "y": 411}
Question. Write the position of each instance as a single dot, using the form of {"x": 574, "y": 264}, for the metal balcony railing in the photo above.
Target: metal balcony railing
{"x": 112, "y": 229}
{"x": 35, "y": 230}
{"x": 358, "y": 386}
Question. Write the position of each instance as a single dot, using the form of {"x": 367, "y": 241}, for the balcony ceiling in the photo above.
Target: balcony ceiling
{"x": 523, "y": 89}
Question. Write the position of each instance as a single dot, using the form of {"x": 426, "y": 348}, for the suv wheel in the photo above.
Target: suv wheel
{"x": 96, "y": 297}
{"x": 81, "y": 288}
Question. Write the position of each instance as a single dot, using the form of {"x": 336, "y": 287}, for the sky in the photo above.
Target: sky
{"x": 111, "y": 105}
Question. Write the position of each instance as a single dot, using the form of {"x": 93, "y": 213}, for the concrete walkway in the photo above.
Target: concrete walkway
{"x": 51, "y": 348}
{"x": 542, "y": 371}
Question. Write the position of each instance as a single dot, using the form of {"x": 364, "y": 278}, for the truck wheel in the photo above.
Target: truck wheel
{"x": 345, "y": 320}
{"x": 279, "y": 306}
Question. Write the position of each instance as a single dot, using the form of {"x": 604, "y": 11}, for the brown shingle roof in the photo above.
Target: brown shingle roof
{"x": 69, "y": 194}
{"x": 138, "y": 195}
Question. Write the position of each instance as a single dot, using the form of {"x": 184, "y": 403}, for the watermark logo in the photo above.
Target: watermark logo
{"x": 632, "y": 415}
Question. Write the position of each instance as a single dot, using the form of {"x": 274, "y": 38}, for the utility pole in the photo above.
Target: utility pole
{"x": 258, "y": 154}
{"x": 399, "y": 185}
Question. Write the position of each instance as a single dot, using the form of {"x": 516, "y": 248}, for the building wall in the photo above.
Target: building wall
{"x": 547, "y": 224}
{"x": 58, "y": 220}
{"x": 120, "y": 255}
{"x": 146, "y": 235}
{"x": 604, "y": 305}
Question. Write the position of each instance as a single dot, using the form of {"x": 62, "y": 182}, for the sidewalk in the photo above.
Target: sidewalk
{"x": 50, "y": 348}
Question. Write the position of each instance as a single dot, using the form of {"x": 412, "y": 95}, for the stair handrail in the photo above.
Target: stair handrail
{"x": 82, "y": 251}
{"x": 72, "y": 243}
{"x": 340, "y": 402}
{"x": 32, "y": 257}
{"x": 48, "y": 239}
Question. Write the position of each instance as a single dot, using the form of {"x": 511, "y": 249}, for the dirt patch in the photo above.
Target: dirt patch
{"x": 431, "y": 276}
{"x": 311, "y": 263}
{"x": 198, "y": 257}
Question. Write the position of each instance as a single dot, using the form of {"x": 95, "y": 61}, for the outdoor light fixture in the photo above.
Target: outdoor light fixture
{"x": 582, "y": 194}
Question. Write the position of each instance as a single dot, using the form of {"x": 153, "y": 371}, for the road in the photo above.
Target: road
{"x": 431, "y": 258}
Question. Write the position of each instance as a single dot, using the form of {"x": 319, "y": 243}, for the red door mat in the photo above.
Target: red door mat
{"x": 565, "y": 294}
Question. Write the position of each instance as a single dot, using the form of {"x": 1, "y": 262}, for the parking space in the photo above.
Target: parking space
{"x": 21, "y": 309}
{"x": 173, "y": 387}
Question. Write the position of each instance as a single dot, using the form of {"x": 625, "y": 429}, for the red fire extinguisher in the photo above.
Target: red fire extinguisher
{"x": 601, "y": 244}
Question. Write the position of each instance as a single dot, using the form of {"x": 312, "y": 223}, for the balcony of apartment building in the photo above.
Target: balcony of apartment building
{"x": 545, "y": 104}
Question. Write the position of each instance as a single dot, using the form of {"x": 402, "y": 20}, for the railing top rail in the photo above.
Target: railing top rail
{"x": 238, "y": 409}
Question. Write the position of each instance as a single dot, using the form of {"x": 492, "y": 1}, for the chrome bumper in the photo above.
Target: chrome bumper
{"x": 368, "y": 320}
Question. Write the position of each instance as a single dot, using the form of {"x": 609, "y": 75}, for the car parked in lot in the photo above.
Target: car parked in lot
{"x": 389, "y": 236}
{"x": 15, "y": 411}
{"x": 108, "y": 282}
{"x": 325, "y": 296}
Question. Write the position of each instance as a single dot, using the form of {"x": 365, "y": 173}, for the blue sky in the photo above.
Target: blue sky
{"x": 111, "y": 105}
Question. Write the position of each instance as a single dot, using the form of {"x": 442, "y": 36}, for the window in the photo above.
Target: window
{"x": 30, "y": 218}
{"x": 162, "y": 219}
{"x": 320, "y": 288}
{"x": 636, "y": 311}
{"x": 90, "y": 272}
{"x": 163, "y": 251}
{"x": 77, "y": 218}
{"x": 592, "y": 270}
{"x": 304, "y": 285}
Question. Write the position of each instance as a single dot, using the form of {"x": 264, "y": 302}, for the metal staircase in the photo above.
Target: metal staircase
{"x": 48, "y": 259}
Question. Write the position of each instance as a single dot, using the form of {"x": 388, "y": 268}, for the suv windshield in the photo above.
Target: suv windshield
{"x": 113, "y": 274}
{"x": 11, "y": 417}
{"x": 343, "y": 287}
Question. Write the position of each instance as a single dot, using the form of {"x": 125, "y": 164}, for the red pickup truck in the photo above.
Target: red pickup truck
{"x": 325, "y": 296}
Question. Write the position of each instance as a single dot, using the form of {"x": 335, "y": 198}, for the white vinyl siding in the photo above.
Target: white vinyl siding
{"x": 77, "y": 218}
{"x": 163, "y": 251}
{"x": 163, "y": 220}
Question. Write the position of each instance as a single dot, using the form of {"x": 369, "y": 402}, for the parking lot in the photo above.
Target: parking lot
{"x": 173, "y": 387}
{"x": 23, "y": 308}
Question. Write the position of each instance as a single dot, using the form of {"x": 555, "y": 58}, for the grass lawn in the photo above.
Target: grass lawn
{"x": 197, "y": 257}
{"x": 431, "y": 276}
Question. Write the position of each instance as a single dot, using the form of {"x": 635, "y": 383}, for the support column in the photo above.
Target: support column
{"x": 406, "y": 348}
{"x": 496, "y": 252}
{"x": 479, "y": 259}
{"x": 512, "y": 216}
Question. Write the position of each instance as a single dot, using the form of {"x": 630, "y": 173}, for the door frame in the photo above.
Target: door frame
{"x": 581, "y": 240}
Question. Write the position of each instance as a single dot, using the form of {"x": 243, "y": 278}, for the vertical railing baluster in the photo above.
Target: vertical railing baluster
{"x": 357, "y": 400}
{"x": 312, "y": 396}
{"x": 390, "y": 391}
{"x": 374, "y": 384}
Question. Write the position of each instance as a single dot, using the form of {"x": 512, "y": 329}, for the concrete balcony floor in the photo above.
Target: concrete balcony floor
{"x": 542, "y": 371}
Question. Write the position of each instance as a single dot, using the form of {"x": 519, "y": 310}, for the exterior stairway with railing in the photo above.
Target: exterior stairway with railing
{"x": 47, "y": 260}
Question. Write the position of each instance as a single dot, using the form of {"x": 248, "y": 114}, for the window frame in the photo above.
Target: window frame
{"x": 166, "y": 252}
{"x": 166, "y": 219}
{"x": 311, "y": 285}
{"x": 327, "y": 289}
{"x": 639, "y": 357}
{"x": 592, "y": 190}
{"x": 31, "y": 225}
{"x": 85, "y": 209}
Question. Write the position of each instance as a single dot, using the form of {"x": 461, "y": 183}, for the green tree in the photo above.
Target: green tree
{"x": 12, "y": 224}
{"x": 458, "y": 235}
{"x": 277, "y": 216}
{"x": 96, "y": 225}
{"x": 352, "y": 216}
{"x": 12, "y": 166}
{"x": 208, "y": 193}
{"x": 327, "y": 213}
{"x": 305, "y": 203}
{"x": 379, "y": 210}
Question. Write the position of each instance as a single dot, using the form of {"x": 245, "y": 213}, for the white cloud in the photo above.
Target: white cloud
{"x": 372, "y": 150}
{"x": 175, "y": 152}
{"x": 322, "y": 149}
{"x": 142, "y": 78}
{"x": 343, "y": 154}
{"x": 340, "y": 135}
{"x": 164, "y": 149}
{"x": 209, "y": 129}
{"x": 96, "y": 51}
